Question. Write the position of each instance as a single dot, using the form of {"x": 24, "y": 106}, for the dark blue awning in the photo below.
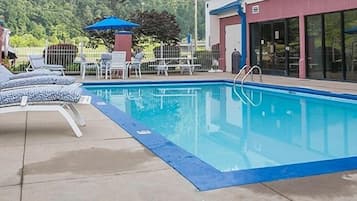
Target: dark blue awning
{"x": 228, "y": 7}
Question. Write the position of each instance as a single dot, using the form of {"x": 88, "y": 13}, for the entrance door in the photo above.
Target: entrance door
{"x": 273, "y": 42}
{"x": 275, "y": 46}
{"x": 233, "y": 40}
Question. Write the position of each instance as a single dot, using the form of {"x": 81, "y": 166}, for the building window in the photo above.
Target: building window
{"x": 314, "y": 47}
{"x": 333, "y": 46}
{"x": 350, "y": 36}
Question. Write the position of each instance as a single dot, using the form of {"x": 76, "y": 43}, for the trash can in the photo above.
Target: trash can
{"x": 236, "y": 61}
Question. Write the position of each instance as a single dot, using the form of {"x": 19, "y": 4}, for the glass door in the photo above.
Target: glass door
{"x": 275, "y": 46}
{"x": 293, "y": 49}
{"x": 273, "y": 43}
{"x": 267, "y": 47}
{"x": 333, "y": 46}
{"x": 279, "y": 43}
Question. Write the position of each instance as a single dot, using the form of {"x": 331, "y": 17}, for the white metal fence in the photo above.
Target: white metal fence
{"x": 69, "y": 57}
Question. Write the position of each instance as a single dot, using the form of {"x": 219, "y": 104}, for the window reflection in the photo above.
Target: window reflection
{"x": 314, "y": 47}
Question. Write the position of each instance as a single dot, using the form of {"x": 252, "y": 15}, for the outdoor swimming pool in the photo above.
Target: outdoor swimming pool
{"x": 218, "y": 135}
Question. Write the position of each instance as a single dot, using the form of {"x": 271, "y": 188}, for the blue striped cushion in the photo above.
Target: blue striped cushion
{"x": 37, "y": 80}
{"x": 39, "y": 72}
{"x": 67, "y": 93}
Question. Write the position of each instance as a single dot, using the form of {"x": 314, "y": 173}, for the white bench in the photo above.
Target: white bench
{"x": 184, "y": 63}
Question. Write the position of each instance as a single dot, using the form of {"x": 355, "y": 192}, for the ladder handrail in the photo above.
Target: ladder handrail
{"x": 240, "y": 72}
{"x": 250, "y": 100}
{"x": 237, "y": 94}
{"x": 251, "y": 72}
{"x": 245, "y": 99}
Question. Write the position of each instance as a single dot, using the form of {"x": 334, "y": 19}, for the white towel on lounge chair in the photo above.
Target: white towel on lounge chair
{"x": 46, "y": 98}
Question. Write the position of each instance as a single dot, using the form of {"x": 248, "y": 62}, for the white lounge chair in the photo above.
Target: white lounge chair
{"x": 118, "y": 64}
{"x": 47, "y": 98}
{"x": 7, "y": 80}
{"x": 6, "y": 84}
{"x": 38, "y": 62}
{"x": 40, "y": 72}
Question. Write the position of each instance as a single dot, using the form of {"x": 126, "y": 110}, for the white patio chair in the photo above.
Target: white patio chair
{"x": 38, "y": 62}
{"x": 46, "y": 98}
{"x": 162, "y": 68}
{"x": 104, "y": 64}
{"x": 136, "y": 63}
{"x": 118, "y": 64}
{"x": 89, "y": 65}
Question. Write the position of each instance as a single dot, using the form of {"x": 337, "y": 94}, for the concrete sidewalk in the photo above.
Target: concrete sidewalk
{"x": 41, "y": 160}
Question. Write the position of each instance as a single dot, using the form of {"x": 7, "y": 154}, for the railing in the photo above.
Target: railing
{"x": 250, "y": 72}
{"x": 206, "y": 59}
{"x": 243, "y": 96}
{"x": 240, "y": 73}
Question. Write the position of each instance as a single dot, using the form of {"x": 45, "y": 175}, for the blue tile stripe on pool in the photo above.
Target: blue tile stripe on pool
{"x": 201, "y": 174}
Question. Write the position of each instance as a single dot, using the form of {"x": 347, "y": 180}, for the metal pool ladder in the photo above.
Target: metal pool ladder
{"x": 250, "y": 72}
{"x": 240, "y": 73}
{"x": 246, "y": 99}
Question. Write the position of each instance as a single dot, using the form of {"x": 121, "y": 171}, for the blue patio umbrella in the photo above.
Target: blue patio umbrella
{"x": 352, "y": 30}
{"x": 112, "y": 23}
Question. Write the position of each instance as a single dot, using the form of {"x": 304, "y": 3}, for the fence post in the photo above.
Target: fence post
{"x": 46, "y": 49}
{"x": 81, "y": 45}
{"x": 161, "y": 50}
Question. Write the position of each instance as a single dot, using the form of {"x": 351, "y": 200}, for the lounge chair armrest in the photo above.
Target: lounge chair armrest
{"x": 23, "y": 101}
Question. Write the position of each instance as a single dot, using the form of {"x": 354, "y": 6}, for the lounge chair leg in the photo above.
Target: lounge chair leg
{"x": 45, "y": 108}
{"x": 71, "y": 122}
{"x": 78, "y": 118}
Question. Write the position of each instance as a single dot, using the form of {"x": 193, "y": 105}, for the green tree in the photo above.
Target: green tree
{"x": 160, "y": 27}
{"x": 40, "y": 17}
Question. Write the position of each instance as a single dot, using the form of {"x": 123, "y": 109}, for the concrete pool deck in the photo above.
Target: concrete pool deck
{"x": 40, "y": 159}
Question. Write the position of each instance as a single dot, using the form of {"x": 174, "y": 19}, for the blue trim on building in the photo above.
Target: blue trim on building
{"x": 243, "y": 35}
{"x": 228, "y": 7}
{"x": 201, "y": 174}
{"x": 236, "y": 5}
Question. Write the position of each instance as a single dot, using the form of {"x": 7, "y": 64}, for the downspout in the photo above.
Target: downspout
{"x": 244, "y": 34}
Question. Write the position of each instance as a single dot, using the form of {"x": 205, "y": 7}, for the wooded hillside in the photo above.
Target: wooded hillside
{"x": 65, "y": 19}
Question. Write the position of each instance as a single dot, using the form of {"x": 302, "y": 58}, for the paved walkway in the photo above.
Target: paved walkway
{"x": 41, "y": 160}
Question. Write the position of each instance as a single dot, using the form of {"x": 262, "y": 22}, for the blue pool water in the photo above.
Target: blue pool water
{"x": 234, "y": 129}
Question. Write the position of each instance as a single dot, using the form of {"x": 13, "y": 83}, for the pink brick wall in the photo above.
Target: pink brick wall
{"x": 123, "y": 42}
{"x": 278, "y": 9}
